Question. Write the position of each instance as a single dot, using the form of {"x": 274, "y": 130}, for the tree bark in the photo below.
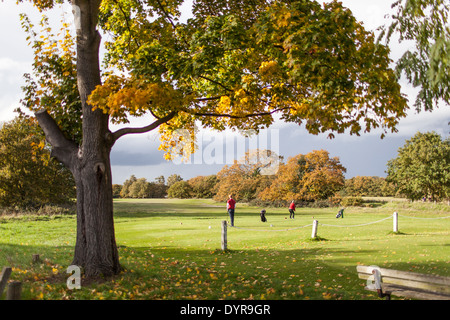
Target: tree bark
{"x": 95, "y": 248}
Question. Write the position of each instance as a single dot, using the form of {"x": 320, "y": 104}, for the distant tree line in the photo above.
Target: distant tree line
{"x": 421, "y": 171}
{"x": 31, "y": 178}
{"x": 141, "y": 188}
{"x": 309, "y": 178}
{"x": 368, "y": 186}
{"x": 176, "y": 187}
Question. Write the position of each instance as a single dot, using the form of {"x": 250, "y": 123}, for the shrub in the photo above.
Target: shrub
{"x": 351, "y": 201}
{"x": 180, "y": 189}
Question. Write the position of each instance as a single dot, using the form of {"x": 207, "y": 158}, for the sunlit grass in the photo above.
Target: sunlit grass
{"x": 170, "y": 249}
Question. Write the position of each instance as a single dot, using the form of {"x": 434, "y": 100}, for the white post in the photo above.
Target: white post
{"x": 395, "y": 222}
{"x": 224, "y": 235}
{"x": 314, "y": 229}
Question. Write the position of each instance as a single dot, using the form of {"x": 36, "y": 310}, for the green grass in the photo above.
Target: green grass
{"x": 170, "y": 249}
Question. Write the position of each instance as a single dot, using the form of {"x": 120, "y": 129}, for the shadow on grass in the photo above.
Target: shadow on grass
{"x": 21, "y": 256}
{"x": 157, "y": 272}
{"x": 398, "y": 233}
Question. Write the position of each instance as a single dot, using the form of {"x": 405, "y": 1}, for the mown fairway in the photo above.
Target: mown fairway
{"x": 170, "y": 249}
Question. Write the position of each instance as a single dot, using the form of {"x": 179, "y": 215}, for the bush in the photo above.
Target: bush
{"x": 46, "y": 210}
{"x": 266, "y": 203}
{"x": 351, "y": 201}
{"x": 180, "y": 190}
{"x": 29, "y": 176}
{"x": 325, "y": 203}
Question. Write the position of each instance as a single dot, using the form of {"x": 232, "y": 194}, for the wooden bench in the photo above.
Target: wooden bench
{"x": 387, "y": 282}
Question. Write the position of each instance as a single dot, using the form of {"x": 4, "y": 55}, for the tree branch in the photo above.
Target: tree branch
{"x": 216, "y": 82}
{"x": 166, "y": 14}
{"x": 225, "y": 115}
{"x": 124, "y": 131}
{"x": 121, "y": 132}
{"x": 208, "y": 99}
{"x": 127, "y": 21}
{"x": 62, "y": 148}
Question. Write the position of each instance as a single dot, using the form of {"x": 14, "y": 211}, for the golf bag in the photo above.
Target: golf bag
{"x": 340, "y": 214}
{"x": 263, "y": 216}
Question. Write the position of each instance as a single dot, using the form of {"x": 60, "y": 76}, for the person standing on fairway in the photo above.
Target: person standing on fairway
{"x": 292, "y": 210}
{"x": 231, "y": 204}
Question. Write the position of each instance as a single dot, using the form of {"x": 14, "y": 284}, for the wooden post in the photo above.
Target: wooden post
{"x": 4, "y": 276}
{"x": 395, "y": 222}
{"x": 314, "y": 229}
{"x": 14, "y": 290}
{"x": 224, "y": 235}
{"x": 36, "y": 258}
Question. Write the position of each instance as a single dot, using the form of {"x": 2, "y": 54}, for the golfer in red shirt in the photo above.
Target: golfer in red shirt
{"x": 231, "y": 204}
{"x": 292, "y": 210}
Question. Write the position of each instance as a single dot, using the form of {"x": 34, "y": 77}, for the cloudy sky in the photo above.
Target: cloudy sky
{"x": 138, "y": 155}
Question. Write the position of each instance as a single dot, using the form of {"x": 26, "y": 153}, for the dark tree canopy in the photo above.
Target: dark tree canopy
{"x": 422, "y": 167}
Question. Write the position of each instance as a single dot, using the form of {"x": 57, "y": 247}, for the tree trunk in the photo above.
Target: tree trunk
{"x": 95, "y": 248}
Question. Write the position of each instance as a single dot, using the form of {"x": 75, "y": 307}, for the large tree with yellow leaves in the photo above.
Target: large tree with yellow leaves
{"x": 234, "y": 64}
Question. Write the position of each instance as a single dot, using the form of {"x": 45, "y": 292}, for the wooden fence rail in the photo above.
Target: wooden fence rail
{"x": 14, "y": 290}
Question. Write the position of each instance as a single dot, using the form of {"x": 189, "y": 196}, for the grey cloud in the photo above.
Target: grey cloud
{"x": 124, "y": 158}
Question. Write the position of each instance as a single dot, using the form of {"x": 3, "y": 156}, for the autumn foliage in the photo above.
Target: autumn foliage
{"x": 307, "y": 177}
{"x": 237, "y": 64}
{"x": 29, "y": 177}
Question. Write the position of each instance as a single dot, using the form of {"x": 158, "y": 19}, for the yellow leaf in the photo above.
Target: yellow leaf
{"x": 326, "y": 295}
